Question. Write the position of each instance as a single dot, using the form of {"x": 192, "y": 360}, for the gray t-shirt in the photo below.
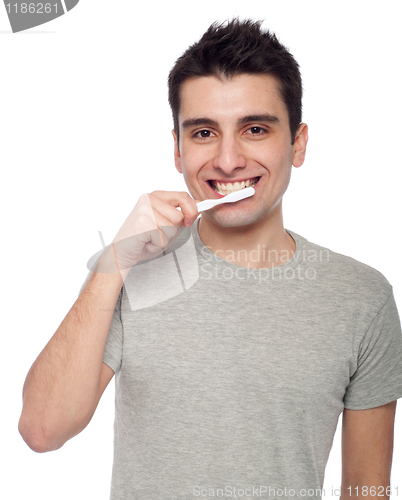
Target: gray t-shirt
{"x": 230, "y": 381}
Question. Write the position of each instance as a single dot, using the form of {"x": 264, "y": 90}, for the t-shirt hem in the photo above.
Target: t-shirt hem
{"x": 375, "y": 402}
{"x": 111, "y": 363}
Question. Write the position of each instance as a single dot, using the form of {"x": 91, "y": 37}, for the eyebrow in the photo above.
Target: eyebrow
{"x": 258, "y": 118}
{"x": 196, "y": 122}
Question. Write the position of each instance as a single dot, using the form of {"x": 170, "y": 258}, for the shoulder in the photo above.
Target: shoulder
{"x": 342, "y": 272}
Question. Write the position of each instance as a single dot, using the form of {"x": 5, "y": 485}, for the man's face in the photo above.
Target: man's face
{"x": 237, "y": 130}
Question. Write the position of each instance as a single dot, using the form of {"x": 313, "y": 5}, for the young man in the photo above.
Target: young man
{"x": 234, "y": 385}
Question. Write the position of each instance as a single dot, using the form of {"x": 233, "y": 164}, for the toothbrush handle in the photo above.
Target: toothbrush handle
{"x": 205, "y": 205}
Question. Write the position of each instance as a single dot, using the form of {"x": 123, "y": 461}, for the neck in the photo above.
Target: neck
{"x": 262, "y": 244}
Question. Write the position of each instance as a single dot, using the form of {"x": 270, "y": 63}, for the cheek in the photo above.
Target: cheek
{"x": 279, "y": 159}
{"x": 192, "y": 164}
{"x": 193, "y": 156}
{"x": 278, "y": 163}
{"x": 189, "y": 172}
{"x": 271, "y": 154}
{"x": 273, "y": 161}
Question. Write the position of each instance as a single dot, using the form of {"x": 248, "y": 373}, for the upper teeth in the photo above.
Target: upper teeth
{"x": 225, "y": 188}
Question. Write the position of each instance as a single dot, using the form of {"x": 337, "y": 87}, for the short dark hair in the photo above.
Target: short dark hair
{"x": 239, "y": 47}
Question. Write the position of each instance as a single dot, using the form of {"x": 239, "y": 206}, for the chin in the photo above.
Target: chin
{"x": 234, "y": 219}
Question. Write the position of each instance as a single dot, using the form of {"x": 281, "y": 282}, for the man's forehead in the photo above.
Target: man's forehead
{"x": 214, "y": 99}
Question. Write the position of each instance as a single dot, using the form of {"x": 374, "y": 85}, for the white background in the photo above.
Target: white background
{"x": 86, "y": 128}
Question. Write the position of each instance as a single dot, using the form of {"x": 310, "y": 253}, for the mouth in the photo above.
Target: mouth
{"x": 224, "y": 188}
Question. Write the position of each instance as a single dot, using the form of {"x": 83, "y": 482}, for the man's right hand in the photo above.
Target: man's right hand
{"x": 151, "y": 227}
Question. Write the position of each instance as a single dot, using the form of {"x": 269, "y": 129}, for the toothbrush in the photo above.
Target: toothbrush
{"x": 202, "y": 206}
{"x": 229, "y": 198}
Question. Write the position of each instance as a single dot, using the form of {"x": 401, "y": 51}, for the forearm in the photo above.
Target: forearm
{"x": 61, "y": 390}
{"x": 367, "y": 448}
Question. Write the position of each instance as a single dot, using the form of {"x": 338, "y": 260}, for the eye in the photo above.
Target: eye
{"x": 203, "y": 134}
{"x": 257, "y": 130}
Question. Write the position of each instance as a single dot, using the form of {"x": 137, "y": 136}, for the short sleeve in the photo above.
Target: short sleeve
{"x": 114, "y": 343}
{"x": 378, "y": 377}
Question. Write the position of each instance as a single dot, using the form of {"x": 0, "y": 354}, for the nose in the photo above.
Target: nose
{"x": 229, "y": 155}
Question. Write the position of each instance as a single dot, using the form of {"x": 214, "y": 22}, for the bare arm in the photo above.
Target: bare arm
{"x": 65, "y": 383}
{"x": 367, "y": 448}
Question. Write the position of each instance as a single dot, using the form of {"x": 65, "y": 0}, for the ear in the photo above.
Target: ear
{"x": 177, "y": 155}
{"x": 299, "y": 146}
